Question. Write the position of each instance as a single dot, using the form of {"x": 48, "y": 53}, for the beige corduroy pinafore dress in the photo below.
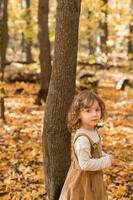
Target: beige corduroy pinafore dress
{"x": 84, "y": 185}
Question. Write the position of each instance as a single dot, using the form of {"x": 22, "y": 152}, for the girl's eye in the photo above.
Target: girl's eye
{"x": 88, "y": 110}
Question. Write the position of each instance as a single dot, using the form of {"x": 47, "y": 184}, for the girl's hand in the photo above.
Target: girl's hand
{"x": 113, "y": 160}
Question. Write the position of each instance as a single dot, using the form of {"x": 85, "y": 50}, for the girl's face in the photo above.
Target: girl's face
{"x": 90, "y": 116}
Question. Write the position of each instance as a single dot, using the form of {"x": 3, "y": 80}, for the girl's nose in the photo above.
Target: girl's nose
{"x": 94, "y": 113}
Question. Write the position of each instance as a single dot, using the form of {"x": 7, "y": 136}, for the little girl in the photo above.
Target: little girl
{"x": 84, "y": 179}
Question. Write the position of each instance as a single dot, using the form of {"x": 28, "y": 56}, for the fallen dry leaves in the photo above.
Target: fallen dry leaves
{"x": 21, "y": 162}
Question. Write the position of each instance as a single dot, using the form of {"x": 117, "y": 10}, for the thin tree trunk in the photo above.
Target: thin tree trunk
{"x": 26, "y": 38}
{"x": 104, "y": 27}
{"x": 29, "y": 57}
{"x": 44, "y": 43}
{"x": 130, "y": 42}
{"x": 3, "y": 48}
{"x": 91, "y": 36}
{"x": 56, "y": 138}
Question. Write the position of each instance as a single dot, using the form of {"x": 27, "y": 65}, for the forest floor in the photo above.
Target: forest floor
{"x": 21, "y": 162}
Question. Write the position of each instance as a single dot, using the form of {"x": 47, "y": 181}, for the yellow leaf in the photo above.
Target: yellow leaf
{"x": 121, "y": 190}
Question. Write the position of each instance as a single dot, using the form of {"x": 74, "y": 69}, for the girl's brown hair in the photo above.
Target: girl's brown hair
{"x": 84, "y": 99}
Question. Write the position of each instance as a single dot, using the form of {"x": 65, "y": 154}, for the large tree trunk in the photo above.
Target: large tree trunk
{"x": 3, "y": 48}
{"x": 44, "y": 43}
{"x": 56, "y": 138}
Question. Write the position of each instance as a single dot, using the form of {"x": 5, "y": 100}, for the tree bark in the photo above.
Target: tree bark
{"x": 104, "y": 27}
{"x": 3, "y": 48}
{"x": 91, "y": 36}
{"x": 44, "y": 43}
{"x": 26, "y": 38}
{"x": 56, "y": 138}
{"x": 130, "y": 42}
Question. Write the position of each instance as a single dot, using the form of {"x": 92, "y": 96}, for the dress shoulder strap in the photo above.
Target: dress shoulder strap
{"x": 93, "y": 144}
{"x": 99, "y": 135}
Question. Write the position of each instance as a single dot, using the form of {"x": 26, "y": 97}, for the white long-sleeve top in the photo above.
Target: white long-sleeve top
{"x": 82, "y": 148}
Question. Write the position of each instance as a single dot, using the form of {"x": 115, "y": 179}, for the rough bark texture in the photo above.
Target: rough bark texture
{"x": 3, "y": 47}
{"x": 56, "y": 138}
{"x": 44, "y": 43}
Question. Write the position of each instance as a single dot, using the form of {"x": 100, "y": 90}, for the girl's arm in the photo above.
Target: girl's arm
{"x": 86, "y": 162}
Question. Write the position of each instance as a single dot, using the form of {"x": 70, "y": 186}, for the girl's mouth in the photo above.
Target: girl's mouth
{"x": 94, "y": 120}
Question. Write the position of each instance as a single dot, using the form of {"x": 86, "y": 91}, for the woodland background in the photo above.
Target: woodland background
{"x": 104, "y": 65}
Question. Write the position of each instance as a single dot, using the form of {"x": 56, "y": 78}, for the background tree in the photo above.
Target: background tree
{"x": 91, "y": 32}
{"x": 104, "y": 28}
{"x": 26, "y": 35}
{"x": 130, "y": 42}
{"x": 102, "y": 34}
{"x": 60, "y": 95}
{"x": 3, "y": 48}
